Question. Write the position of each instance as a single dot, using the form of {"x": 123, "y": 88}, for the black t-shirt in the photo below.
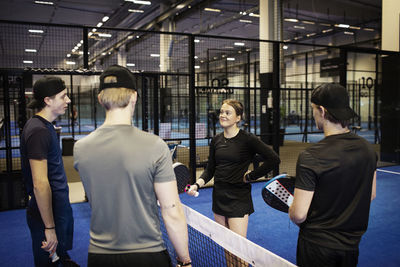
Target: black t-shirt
{"x": 39, "y": 141}
{"x": 229, "y": 159}
{"x": 339, "y": 169}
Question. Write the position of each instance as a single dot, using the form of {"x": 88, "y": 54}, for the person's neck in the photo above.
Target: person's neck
{"x": 118, "y": 116}
{"x": 47, "y": 115}
{"x": 231, "y": 131}
{"x": 333, "y": 129}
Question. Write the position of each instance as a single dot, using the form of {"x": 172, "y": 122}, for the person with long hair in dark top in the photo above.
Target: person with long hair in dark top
{"x": 231, "y": 153}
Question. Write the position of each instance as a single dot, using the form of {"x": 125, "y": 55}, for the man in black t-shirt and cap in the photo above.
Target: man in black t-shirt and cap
{"x": 335, "y": 184}
{"x": 49, "y": 213}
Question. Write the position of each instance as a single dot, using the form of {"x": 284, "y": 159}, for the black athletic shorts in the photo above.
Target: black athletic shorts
{"x": 143, "y": 259}
{"x": 312, "y": 255}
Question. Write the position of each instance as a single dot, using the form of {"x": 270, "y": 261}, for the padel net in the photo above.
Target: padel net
{"x": 211, "y": 244}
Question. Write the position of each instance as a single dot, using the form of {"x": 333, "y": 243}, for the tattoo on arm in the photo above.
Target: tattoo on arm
{"x": 168, "y": 206}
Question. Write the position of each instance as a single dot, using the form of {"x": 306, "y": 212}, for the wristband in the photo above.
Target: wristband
{"x": 198, "y": 186}
{"x": 180, "y": 263}
{"x": 49, "y": 228}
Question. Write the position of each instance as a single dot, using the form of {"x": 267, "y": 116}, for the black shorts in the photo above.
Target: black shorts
{"x": 312, "y": 255}
{"x": 142, "y": 259}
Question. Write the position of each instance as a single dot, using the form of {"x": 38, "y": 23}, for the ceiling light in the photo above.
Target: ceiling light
{"x": 70, "y": 63}
{"x": 349, "y": 33}
{"x": 80, "y": 52}
{"x": 94, "y": 30}
{"x": 105, "y": 18}
{"x": 99, "y": 24}
{"x": 136, "y": 10}
{"x": 28, "y": 61}
{"x": 36, "y": 31}
{"x": 254, "y": 15}
{"x": 328, "y": 30}
{"x": 212, "y": 9}
{"x": 230, "y": 58}
{"x": 239, "y": 44}
{"x": 196, "y": 57}
{"x": 81, "y": 41}
{"x": 30, "y": 50}
{"x": 44, "y": 3}
{"x": 299, "y": 27}
{"x": 355, "y": 28}
{"x": 68, "y": 55}
{"x": 287, "y": 40}
{"x": 90, "y": 34}
{"x": 245, "y": 21}
{"x": 130, "y": 64}
{"x": 285, "y": 47}
{"x": 291, "y": 20}
{"x": 104, "y": 53}
{"x": 196, "y": 40}
{"x": 106, "y": 35}
{"x": 311, "y": 34}
{"x": 180, "y": 6}
{"x": 242, "y": 13}
{"x": 155, "y": 55}
{"x": 368, "y": 29}
{"x": 79, "y": 45}
{"x": 139, "y": 2}
{"x": 197, "y": 67}
{"x": 342, "y": 25}
{"x": 308, "y": 22}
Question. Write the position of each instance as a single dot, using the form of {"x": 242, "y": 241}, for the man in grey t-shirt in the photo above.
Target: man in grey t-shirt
{"x": 124, "y": 171}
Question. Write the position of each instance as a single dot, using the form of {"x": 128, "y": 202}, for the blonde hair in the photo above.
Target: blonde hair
{"x": 115, "y": 97}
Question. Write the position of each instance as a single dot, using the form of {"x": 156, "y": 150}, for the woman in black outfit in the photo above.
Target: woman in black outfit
{"x": 231, "y": 153}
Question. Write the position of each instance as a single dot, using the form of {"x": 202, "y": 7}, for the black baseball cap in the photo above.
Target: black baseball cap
{"x": 44, "y": 87}
{"x": 124, "y": 78}
{"x": 335, "y": 99}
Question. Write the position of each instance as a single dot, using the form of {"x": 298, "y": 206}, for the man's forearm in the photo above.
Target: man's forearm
{"x": 176, "y": 226}
{"x": 44, "y": 201}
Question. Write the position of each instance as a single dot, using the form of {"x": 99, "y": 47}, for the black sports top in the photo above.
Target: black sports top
{"x": 229, "y": 159}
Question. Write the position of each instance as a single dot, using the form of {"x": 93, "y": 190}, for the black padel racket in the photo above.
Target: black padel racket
{"x": 182, "y": 175}
{"x": 278, "y": 192}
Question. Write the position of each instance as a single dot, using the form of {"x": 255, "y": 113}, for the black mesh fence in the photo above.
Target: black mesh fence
{"x": 274, "y": 81}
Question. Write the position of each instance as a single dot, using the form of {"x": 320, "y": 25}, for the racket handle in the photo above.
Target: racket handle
{"x": 55, "y": 257}
{"x": 187, "y": 189}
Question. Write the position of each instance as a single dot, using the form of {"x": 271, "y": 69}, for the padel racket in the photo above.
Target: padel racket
{"x": 278, "y": 192}
{"x": 182, "y": 175}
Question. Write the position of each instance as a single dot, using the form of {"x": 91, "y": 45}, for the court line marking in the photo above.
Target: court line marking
{"x": 398, "y": 173}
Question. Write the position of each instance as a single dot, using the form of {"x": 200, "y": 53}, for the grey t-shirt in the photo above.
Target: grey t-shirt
{"x": 118, "y": 166}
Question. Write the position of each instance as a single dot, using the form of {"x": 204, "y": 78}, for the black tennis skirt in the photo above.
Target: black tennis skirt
{"x": 232, "y": 200}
